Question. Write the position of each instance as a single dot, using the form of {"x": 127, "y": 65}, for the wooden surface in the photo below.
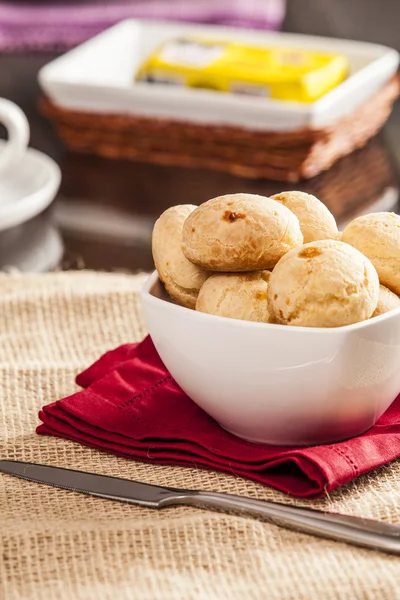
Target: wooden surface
{"x": 105, "y": 209}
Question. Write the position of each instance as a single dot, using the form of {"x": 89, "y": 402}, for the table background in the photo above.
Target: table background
{"x": 105, "y": 209}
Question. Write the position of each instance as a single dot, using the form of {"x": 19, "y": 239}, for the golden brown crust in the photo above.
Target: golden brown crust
{"x": 181, "y": 278}
{"x": 236, "y": 295}
{"x": 316, "y": 221}
{"x": 239, "y": 232}
{"x": 387, "y": 301}
{"x": 377, "y": 235}
{"x": 323, "y": 284}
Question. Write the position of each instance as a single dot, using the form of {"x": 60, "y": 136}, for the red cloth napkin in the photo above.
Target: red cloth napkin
{"x": 131, "y": 406}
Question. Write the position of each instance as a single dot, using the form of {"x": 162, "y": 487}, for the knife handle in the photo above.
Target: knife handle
{"x": 344, "y": 528}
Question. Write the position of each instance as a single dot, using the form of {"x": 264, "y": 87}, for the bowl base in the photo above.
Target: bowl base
{"x": 291, "y": 443}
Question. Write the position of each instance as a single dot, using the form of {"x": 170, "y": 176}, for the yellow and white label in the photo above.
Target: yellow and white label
{"x": 280, "y": 73}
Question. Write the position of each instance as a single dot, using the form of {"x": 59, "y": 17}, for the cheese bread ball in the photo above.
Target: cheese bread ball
{"x": 377, "y": 235}
{"x": 181, "y": 278}
{"x": 323, "y": 284}
{"x": 316, "y": 221}
{"x": 387, "y": 301}
{"x": 240, "y": 232}
{"x": 236, "y": 295}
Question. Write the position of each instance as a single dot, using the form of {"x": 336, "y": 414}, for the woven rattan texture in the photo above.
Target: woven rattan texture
{"x": 285, "y": 156}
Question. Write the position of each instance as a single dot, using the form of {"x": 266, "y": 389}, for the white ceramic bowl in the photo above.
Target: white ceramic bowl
{"x": 275, "y": 384}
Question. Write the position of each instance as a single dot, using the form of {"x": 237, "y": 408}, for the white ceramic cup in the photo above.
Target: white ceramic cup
{"x": 17, "y": 126}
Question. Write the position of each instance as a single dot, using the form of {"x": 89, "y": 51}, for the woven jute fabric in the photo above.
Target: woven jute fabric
{"x": 63, "y": 545}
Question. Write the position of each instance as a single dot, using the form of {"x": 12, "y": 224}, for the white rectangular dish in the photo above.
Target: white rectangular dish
{"x": 98, "y": 77}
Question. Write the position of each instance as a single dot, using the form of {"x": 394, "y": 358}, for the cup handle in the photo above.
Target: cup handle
{"x": 17, "y": 126}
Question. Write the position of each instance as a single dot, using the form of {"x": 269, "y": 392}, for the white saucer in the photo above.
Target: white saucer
{"x": 28, "y": 188}
{"x": 33, "y": 247}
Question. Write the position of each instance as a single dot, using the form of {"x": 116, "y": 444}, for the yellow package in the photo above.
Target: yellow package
{"x": 274, "y": 72}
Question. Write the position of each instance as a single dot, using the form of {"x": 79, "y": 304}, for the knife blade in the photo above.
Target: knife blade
{"x": 103, "y": 486}
{"x": 368, "y": 533}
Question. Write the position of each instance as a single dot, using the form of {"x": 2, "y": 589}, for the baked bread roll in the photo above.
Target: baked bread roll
{"x": 377, "y": 235}
{"x": 316, "y": 221}
{"x": 387, "y": 301}
{"x": 240, "y": 232}
{"x": 323, "y": 284}
{"x": 236, "y": 295}
{"x": 181, "y": 278}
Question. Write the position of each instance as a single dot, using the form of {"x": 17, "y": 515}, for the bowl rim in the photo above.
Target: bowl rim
{"x": 148, "y": 297}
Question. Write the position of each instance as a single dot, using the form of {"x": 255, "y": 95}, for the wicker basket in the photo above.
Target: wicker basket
{"x": 284, "y": 156}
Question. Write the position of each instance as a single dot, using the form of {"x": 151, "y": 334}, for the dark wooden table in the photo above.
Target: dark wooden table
{"x": 105, "y": 210}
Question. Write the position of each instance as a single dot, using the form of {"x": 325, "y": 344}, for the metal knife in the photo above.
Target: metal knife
{"x": 344, "y": 528}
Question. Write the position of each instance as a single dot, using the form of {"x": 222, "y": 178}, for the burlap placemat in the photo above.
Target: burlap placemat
{"x": 58, "y": 544}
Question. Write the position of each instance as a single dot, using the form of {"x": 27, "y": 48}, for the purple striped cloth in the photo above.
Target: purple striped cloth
{"x": 59, "y": 26}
